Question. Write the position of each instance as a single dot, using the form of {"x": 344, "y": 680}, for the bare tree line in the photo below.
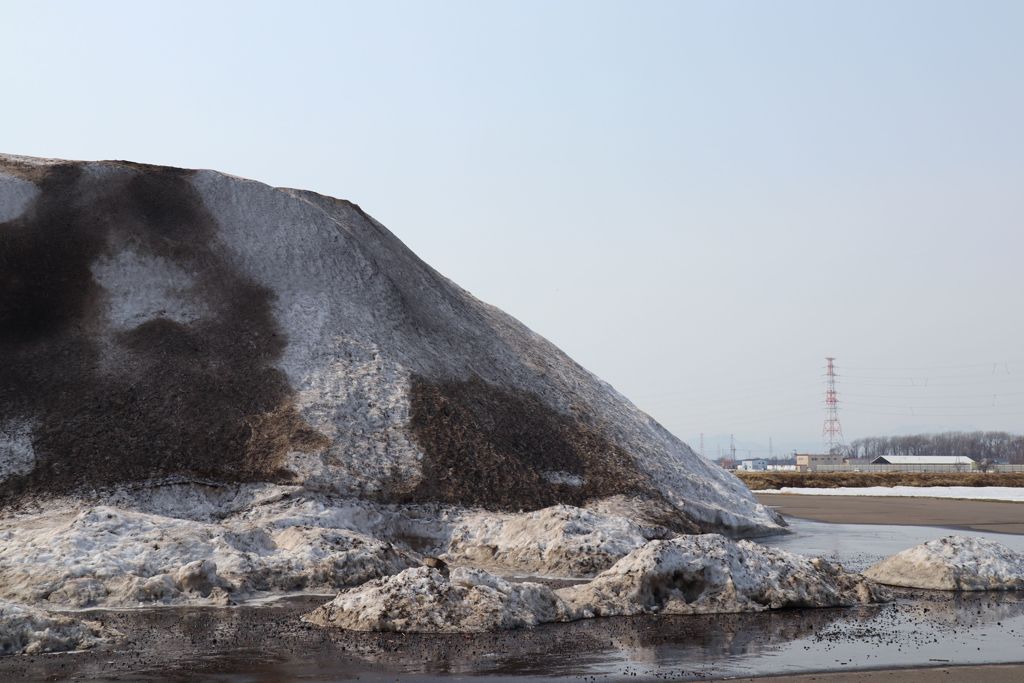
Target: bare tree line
{"x": 990, "y": 446}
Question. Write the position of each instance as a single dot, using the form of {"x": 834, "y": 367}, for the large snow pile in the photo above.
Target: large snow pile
{"x": 27, "y": 630}
{"x": 685, "y": 575}
{"x": 953, "y": 563}
{"x": 212, "y": 389}
{"x": 159, "y": 322}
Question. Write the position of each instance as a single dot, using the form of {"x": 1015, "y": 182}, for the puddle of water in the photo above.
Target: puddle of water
{"x": 858, "y": 546}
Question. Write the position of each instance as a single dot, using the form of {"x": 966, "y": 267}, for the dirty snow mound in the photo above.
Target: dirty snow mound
{"x": 425, "y": 600}
{"x": 953, "y": 563}
{"x": 686, "y": 575}
{"x": 161, "y": 322}
{"x": 203, "y": 545}
{"x": 211, "y": 389}
{"x": 110, "y": 557}
{"x": 27, "y": 630}
{"x": 712, "y": 574}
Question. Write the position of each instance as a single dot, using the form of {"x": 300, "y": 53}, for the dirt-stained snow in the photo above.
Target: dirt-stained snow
{"x": 425, "y": 600}
{"x": 28, "y": 630}
{"x": 213, "y": 390}
{"x": 709, "y": 573}
{"x": 181, "y": 544}
{"x": 171, "y": 323}
{"x": 698, "y": 574}
{"x": 955, "y": 563}
{"x": 111, "y": 557}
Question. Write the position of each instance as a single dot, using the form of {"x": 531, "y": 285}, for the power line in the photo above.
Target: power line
{"x": 987, "y": 364}
{"x": 942, "y": 396}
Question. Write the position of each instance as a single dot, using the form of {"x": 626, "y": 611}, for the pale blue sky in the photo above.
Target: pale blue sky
{"x": 698, "y": 201}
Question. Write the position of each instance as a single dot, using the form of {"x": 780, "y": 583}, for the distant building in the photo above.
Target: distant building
{"x": 754, "y": 465}
{"x": 809, "y": 462}
{"x": 856, "y": 462}
{"x": 950, "y": 461}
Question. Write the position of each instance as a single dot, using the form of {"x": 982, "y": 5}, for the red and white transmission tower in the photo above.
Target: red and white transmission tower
{"x": 832, "y": 431}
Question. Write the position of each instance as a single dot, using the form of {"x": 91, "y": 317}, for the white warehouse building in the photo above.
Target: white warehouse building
{"x": 945, "y": 462}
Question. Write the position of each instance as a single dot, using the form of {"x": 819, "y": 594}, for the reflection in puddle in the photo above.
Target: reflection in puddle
{"x": 857, "y": 546}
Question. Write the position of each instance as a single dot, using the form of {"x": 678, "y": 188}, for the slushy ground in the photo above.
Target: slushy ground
{"x": 268, "y": 643}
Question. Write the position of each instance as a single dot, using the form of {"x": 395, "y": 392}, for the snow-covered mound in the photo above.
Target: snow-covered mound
{"x": 163, "y": 323}
{"x": 958, "y": 563}
{"x": 27, "y": 630}
{"x": 701, "y": 574}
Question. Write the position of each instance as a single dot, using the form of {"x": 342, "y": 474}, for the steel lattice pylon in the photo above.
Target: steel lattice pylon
{"x": 832, "y": 431}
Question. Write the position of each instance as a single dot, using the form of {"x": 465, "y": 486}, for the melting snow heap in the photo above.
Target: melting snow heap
{"x": 953, "y": 563}
{"x": 685, "y": 575}
{"x": 30, "y": 631}
{"x": 212, "y": 388}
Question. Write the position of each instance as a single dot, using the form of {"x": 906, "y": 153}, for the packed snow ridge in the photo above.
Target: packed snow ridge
{"x": 171, "y": 545}
{"x": 699, "y": 574}
{"x": 954, "y": 563}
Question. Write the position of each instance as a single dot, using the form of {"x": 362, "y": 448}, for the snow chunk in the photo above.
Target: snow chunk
{"x": 199, "y": 577}
{"x": 686, "y": 575}
{"x": 425, "y": 600}
{"x": 707, "y": 574}
{"x": 26, "y": 630}
{"x": 560, "y": 540}
{"x": 953, "y": 563}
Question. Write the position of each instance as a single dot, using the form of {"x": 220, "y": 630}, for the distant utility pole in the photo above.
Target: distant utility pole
{"x": 732, "y": 446}
{"x": 831, "y": 431}
{"x": 771, "y": 451}
{"x": 702, "y": 444}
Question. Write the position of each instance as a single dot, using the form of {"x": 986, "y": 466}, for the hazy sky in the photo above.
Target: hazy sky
{"x": 697, "y": 201}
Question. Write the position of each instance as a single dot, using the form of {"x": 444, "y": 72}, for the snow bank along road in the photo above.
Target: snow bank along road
{"x": 1004, "y": 493}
